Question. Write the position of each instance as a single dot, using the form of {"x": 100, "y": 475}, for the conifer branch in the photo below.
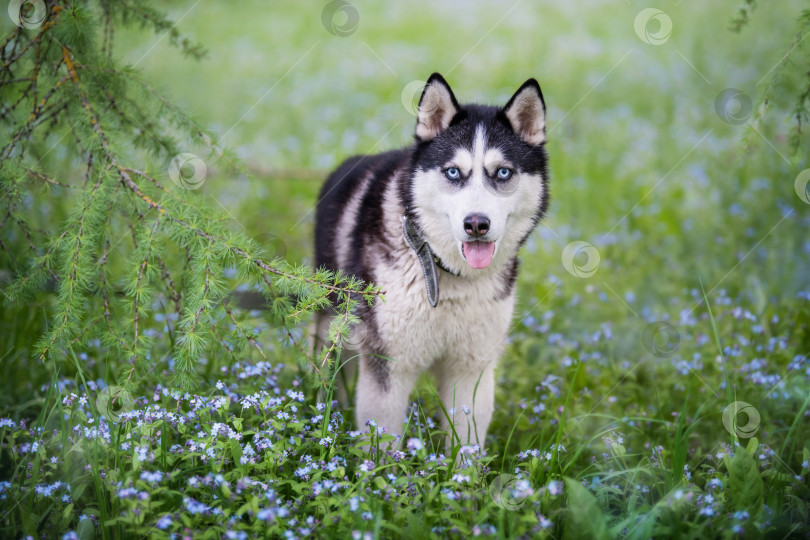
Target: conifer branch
{"x": 61, "y": 93}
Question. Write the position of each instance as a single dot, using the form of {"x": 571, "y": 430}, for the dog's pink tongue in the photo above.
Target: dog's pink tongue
{"x": 478, "y": 254}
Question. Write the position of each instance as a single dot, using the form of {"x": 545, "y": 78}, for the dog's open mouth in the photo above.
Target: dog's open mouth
{"x": 478, "y": 254}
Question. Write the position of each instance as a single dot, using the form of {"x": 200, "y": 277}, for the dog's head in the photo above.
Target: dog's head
{"x": 478, "y": 181}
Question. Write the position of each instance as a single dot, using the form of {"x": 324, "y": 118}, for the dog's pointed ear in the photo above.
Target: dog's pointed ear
{"x": 526, "y": 112}
{"x": 437, "y": 107}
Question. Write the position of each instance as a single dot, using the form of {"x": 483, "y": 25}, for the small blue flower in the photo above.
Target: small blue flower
{"x": 164, "y": 523}
{"x": 152, "y": 477}
{"x": 414, "y": 445}
{"x": 195, "y": 507}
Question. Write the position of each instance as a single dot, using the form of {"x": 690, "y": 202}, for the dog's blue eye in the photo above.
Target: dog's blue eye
{"x": 452, "y": 173}
{"x": 504, "y": 173}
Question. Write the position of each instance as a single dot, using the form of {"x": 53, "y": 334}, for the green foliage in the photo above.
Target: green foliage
{"x": 743, "y": 15}
{"x": 114, "y": 244}
{"x": 584, "y": 518}
{"x": 745, "y": 484}
{"x": 789, "y": 80}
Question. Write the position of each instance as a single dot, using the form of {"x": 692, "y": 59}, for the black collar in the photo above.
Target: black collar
{"x": 428, "y": 260}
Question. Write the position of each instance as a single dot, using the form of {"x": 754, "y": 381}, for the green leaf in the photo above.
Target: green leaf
{"x": 778, "y": 476}
{"x": 753, "y": 444}
{"x": 236, "y": 451}
{"x": 584, "y": 518}
{"x": 86, "y": 530}
{"x": 745, "y": 484}
{"x": 727, "y": 461}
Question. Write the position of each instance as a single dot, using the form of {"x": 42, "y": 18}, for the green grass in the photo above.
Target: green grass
{"x": 675, "y": 200}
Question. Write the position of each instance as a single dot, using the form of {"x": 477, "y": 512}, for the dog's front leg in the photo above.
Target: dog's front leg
{"x": 468, "y": 395}
{"x": 382, "y": 394}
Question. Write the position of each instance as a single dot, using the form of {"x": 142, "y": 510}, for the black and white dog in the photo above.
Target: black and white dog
{"x": 437, "y": 226}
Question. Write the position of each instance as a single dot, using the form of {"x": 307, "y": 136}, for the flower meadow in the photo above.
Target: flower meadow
{"x": 585, "y": 450}
{"x": 660, "y": 389}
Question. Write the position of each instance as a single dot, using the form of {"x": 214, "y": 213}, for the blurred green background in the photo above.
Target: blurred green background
{"x": 643, "y": 167}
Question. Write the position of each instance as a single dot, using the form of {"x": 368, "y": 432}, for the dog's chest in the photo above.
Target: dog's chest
{"x": 469, "y": 324}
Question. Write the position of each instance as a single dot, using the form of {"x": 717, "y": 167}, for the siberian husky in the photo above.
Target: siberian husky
{"x": 437, "y": 226}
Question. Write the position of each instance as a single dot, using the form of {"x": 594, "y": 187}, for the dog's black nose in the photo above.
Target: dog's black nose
{"x": 476, "y": 225}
